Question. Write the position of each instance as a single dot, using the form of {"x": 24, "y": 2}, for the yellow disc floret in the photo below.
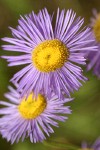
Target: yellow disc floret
{"x": 96, "y": 28}
{"x": 31, "y": 108}
{"x": 50, "y": 55}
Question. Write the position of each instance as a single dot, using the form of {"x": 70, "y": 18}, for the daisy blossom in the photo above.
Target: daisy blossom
{"x": 35, "y": 119}
{"x": 52, "y": 54}
{"x": 94, "y": 57}
{"x": 94, "y": 146}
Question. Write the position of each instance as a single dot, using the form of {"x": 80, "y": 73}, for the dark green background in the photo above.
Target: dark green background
{"x": 84, "y": 123}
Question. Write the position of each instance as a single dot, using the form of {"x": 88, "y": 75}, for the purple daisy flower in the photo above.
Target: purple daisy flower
{"x": 95, "y": 146}
{"x": 32, "y": 118}
{"x": 53, "y": 54}
{"x": 94, "y": 57}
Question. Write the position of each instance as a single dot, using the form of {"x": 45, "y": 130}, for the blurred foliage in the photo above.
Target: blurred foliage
{"x": 84, "y": 122}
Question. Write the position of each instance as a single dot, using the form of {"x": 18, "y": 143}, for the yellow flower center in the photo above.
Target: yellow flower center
{"x": 31, "y": 108}
{"x": 50, "y": 55}
{"x": 96, "y": 28}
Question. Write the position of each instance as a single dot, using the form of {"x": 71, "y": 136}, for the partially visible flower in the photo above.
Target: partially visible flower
{"x": 94, "y": 57}
{"x": 31, "y": 118}
{"x": 95, "y": 146}
{"x": 53, "y": 54}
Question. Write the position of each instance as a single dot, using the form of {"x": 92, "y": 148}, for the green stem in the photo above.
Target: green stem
{"x": 55, "y": 144}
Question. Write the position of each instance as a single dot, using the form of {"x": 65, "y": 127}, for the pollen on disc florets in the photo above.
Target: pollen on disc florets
{"x": 50, "y": 55}
{"x": 32, "y": 108}
{"x": 96, "y": 28}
